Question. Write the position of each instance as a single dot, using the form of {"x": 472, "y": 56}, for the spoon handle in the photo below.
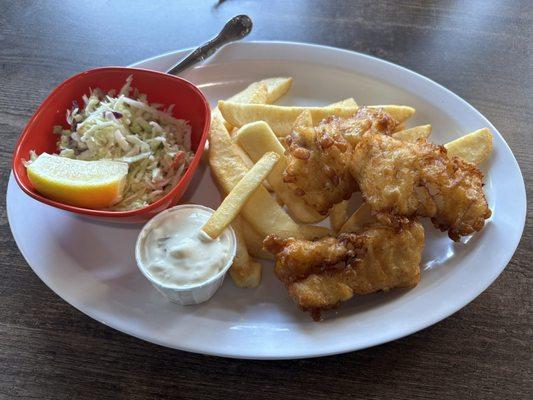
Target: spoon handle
{"x": 235, "y": 29}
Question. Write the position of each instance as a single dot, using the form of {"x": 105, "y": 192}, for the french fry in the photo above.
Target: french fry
{"x": 265, "y": 91}
{"x": 338, "y": 215}
{"x": 413, "y": 134}
{"x": 277, "y": 87}
{"x": 399, "y": 113}
{"x": 249, "y": 164}
{"x": 249, "y": 243}
{"x": 237, "y": 197}
{"x": 280, "y": 119}
{"x": 244, "y": 157}
{"x": 256, "y": 93}
{"x": 253, "y": 240}
{"x": 350, "y": 102}
{"x": 259, "y": 95}
{"x": 257, "y": 138}
{"x": 261, "y": 210}
{"x": 245, "y": 272}
{"x": 474, "y": 147}
{"x": 305, "y": 119}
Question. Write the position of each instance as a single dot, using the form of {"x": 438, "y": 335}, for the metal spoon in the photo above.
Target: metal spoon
{"x": 235, "y": 29}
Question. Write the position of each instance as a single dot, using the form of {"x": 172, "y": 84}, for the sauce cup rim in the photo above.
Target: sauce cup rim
{"x": 219, "y": 275}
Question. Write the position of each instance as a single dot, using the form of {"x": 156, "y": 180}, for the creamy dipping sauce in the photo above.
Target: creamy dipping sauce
{"x": 175, "y": 252}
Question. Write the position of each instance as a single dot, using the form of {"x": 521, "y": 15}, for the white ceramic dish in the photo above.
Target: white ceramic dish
{"x": 92, "y": 266}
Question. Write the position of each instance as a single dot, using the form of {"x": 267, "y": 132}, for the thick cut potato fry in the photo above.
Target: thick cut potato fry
{"x": 338, "y": 215}
{"x": 259, "y": 95}
{"x": 280, "y": 119}
{"x": 399, "y": 113}
{"x": 265, "y": 91}
{"x": 245, "y": 272}
{"x": 247, "y": 160}
{"x": 261, "y": 210}
{"x": 262, "y": 92}
{"x": 253, "y": 240}
{"x": 411, "y": 135}
{"x": 305, "y": 119}
{"x": 350, "y": 102}
{"x": 256, "y": 93}
{"x": 277, "y": 87}
{"x": 257, "y": 138}
{"x": 237, "y": 197}
{"x": 474, "y": 147}
{"x": 244, "y": 157}
{"x": 249, "y": 164}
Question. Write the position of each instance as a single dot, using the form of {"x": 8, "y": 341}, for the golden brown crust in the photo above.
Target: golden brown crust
{"x": 366, "y": 120}
{"x": 418, "y": 179}
{"x": 298, "y": 259}
{"x": 321, "y": 274}
{"x": 319, "y": 158}
{"x": 317, "y": 168}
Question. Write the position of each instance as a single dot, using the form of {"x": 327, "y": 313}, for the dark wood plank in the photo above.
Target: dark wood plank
{"x": 480, "y": 50}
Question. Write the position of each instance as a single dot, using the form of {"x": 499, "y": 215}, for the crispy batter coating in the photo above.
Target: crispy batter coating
{"x": 399, "y": 179}
{"x": 318, "y": 158}
{"x": 317, "y": 168}
{"x": 366, "y": 120}
{"x": 321, "y": 274}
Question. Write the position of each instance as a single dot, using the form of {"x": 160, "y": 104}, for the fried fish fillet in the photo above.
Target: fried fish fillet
{"x": 321, "y": 274}
{"x": 318, "y": 158}
{"x": 366, "y": 120}
{"x": 317, "y": 168}
{"x": 399, "y": 179}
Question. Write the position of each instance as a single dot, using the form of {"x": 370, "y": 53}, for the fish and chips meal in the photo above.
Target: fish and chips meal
{"x": 286, "y": 175}
{"x": 324, "y": 156}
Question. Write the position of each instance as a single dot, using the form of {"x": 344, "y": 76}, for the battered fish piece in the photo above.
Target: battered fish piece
{"x": 321, "y": 274}
{"x": 318, "y": 158}
{"x": 317, "y": 168}
{"x": 366, "y": 120}
{"x": 399, "y": 179}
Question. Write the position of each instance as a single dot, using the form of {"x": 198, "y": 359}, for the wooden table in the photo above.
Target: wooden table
{"x": 481, "y": 50}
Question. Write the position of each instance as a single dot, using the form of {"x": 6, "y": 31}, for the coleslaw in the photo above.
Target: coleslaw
{"x": 124, "y": 127}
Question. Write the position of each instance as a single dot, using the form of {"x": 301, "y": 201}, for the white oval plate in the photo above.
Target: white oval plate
{"x": 91, "y": 264}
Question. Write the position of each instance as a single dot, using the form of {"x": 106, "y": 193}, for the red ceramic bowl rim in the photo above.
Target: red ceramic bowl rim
{"x": 109, "y": 213}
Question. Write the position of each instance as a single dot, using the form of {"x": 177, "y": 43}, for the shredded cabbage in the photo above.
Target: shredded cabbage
{"x": 156, "y": 145}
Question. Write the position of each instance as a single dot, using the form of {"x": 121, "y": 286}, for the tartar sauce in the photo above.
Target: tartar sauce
{"x": 177, "y": 253}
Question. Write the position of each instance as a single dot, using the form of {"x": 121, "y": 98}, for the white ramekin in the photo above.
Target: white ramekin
{"x": 191, "y": 294}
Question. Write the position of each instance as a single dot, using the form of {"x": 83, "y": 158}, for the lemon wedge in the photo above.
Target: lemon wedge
{"x": 89, "y": 184}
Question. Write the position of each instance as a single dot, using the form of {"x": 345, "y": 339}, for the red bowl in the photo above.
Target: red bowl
{"x": 190, "y": 104}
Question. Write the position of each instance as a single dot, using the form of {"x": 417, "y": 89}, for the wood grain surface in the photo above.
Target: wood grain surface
{"x": 481, "y": 50}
